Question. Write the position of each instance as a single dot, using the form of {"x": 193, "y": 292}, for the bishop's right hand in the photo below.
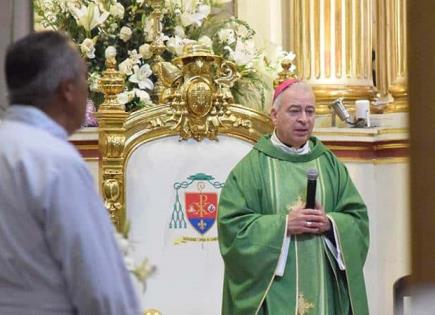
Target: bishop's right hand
{"x": 311, "y": 221}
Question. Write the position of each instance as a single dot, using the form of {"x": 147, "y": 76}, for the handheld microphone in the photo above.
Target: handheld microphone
{"x": 312, "y": 175}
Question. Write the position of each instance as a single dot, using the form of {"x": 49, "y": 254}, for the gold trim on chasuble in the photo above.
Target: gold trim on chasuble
{"x": 299, "y": 203}
{"x": 304, "y": 306}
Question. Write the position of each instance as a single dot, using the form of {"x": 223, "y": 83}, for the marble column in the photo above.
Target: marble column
{"x": 265, "y": 17}
{"x": 396, "y": 58}
{"x": 332, "y": 40}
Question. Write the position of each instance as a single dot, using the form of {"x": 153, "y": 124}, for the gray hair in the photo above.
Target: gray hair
{"x": 300, "y": 86}
{"x": 36, "y": 64}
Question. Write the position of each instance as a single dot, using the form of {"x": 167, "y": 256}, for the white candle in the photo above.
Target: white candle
{"x": 362, "y": 110}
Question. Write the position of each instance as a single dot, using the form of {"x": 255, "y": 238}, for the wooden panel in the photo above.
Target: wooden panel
{"x": 421, "y": 24}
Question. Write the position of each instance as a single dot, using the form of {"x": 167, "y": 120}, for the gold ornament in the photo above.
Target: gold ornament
{"x": 285, "y": 74}
{"x": 111, "y": 116}
{"x": 197, "y": 89}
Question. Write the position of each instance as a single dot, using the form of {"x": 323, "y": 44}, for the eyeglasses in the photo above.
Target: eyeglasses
{"x": 296, "y": 110}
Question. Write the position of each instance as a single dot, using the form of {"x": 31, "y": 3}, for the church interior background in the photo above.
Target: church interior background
{"x": 354, "y": 49}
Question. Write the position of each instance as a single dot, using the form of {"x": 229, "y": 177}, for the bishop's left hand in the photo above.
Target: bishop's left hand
{"x": 325, "y": 225}
{"x": 308, "y": 221}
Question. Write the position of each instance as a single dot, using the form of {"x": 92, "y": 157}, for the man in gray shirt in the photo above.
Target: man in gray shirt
{"x": 58, "y": 254}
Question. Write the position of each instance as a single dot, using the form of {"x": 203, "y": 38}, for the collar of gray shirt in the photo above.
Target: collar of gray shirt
{"x": 35, "y": 117}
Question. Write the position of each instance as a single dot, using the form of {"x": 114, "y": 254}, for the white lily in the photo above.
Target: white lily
{"x": 205, "y": 40}
{"x": 244, "y": 53}
{"x": 176, "y": 44}
{"x": 203, "y": 10}
{"x": 141, "y": 76}
{"x": 143, "y": 95}
{"x": 126, "y": 66}
{"x": 227, "y": 36}
{"x": 195, "y": 18}
{"x": 89, "y": 17}
{"x": 179, "y": 31}
{"x": 134, "y": 56}
{"x": 162, "y": 37}
{"x": 125, "y": 97}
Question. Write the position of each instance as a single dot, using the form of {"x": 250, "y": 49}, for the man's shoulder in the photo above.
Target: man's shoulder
{"x": 22, "y": 141}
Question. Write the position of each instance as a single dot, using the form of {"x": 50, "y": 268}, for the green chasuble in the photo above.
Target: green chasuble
{"x": 257, "y": 196}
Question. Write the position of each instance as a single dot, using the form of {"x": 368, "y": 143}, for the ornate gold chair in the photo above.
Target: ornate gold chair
{"x": 162, "y": 169}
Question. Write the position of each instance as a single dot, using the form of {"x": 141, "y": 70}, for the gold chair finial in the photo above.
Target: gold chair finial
{"x": 111, "y": 84}
{"x": 288, "y": 72}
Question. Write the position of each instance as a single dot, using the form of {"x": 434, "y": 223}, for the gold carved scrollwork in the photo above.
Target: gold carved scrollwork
{"x": 197, "y": 90}
{"x": 194, "y": 101}
{"x": 199, "y": 96}
{"x": 170, "y": 78}
{"x": 285, "y": 74}
{"x": 111, "y": 117}
{"x": 114, "y": 145}
{"x": 112, "y": 194}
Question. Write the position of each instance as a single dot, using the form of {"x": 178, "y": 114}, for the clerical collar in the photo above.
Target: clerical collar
{"x": 291, "y": 150}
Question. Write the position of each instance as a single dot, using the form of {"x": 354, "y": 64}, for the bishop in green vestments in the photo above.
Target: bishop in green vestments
{"x": 281, "y": 258}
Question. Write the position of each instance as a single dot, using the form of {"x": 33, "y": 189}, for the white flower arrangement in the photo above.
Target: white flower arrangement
{"x": 123, "y": 29}
{"x": 141, "y": 270}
